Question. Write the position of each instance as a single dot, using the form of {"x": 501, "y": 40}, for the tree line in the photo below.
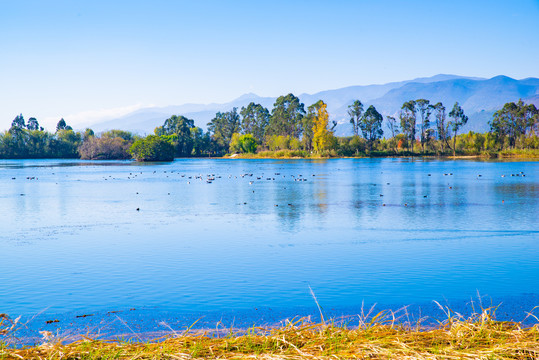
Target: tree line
{"x": 419, "y": 128}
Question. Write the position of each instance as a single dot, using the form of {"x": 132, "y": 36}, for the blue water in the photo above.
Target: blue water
{"x": 386, "y": 231}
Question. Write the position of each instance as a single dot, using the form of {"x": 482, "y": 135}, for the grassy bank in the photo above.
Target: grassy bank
{"x": 381, "y": 337}
{"x": 302, "y": 154}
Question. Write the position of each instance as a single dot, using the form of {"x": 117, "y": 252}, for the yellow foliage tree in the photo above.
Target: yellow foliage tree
{"x": 321, "y": 135}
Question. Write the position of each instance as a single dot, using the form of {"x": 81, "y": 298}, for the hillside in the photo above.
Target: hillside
{"x": 479, "y": 97}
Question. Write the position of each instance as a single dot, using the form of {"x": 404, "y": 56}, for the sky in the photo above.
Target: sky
{"x": 90, "y": 60}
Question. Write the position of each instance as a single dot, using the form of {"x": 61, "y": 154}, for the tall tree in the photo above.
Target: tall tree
{"x": 321, "y": 135}
{"x": 459, "y": 120}
{"x": 62, "y": 125}
{"x": 33, "y": 124}
{"x": 18, "y": 122}
{"x": 442, "y": 127}
{"x": 408, "y": 121}
{"x": 308, "y": 125}
{"x": 392, "y": 126}
{"x": 423, "y": 109}
{"x": 355, "y": 111}
{"x": 88, "y": 133}
{"x": 394, "y": 129}
{"x": 513, "y": 121}
{"x": 179, "y": 128}
{"x": 371, "y": 125}
{"x": 223, "y": 126}
{"x": 286, "y": 116}
{"x": 201, "y": 141}
{"x": 255, "y": 119}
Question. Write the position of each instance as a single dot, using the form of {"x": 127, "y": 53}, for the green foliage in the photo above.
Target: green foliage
{"x": 515, "y": 126}
{"x": 111, "y": 134}
{"x": 18, "y": 122}
{"x": 255, "y": 119}
{"x": 278, "y": 142}
{"x": 21, "y": 143}
{"x": 201, "y": 141}
{"x": 235, "y": 146}
{"x": 459, "y": 120}
{"x": 152, "y": 148}
{"x": 88, "y": 133}
{"x": 62, "y": 125}
{"x": 248, "y": 143}
{"x": 513, "y": 122}
{"x": 308, "y": 122}
{"x": 222, "y": 127}
{"x": 179, "y": 127}
{"x": 243, "y": 143}
{"x": 408, "y": 121}
{"x": 424, "y": 110}
{"x": 355, "y": 111}
{"x": 286, "y": 117}
{"x": 33, "y": 124}
{"x": 371, "y": 125}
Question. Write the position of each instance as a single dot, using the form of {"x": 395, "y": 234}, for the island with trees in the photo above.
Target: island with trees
{"x": 289, "y": 130}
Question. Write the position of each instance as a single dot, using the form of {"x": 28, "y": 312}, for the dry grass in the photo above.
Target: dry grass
{"x": 378, "y": 336}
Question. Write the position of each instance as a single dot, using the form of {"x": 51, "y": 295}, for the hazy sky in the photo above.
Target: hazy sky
{"x": 87, "y": 59}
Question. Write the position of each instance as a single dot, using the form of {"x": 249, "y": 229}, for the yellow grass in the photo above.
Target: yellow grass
{"x": 381, "y": 337}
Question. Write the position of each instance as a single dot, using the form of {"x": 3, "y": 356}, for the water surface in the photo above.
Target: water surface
{"x": 86, "y": 237}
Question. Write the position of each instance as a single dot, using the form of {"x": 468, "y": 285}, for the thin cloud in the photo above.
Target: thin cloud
{"x": 90, "y": 117}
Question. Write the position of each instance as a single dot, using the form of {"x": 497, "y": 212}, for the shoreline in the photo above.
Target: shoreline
{"x": 377, "y": 335}
{"x": 152, "y": 322}
{"x": 523, "y": 157}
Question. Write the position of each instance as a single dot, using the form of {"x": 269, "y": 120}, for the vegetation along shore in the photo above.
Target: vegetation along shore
{"x": 291, "y": 131}
{"x": 378, "y": 336}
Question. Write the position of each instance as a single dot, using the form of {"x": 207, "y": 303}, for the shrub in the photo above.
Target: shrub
{"x": 152, "y": 148}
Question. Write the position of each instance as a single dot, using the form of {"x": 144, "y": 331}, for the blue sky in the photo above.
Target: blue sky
{"x": 85, "y": 60}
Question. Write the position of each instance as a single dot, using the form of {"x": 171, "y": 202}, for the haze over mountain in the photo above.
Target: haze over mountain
{"x": 479, "y": 98}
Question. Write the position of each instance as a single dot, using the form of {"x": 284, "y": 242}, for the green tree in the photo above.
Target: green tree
{"x": 408, "y": 121}
{"x": 355, "y": 111}
{"x": 111, "y": 134}
{"x": 459, "y": 120}
{"x": 394, "y": 129}
{"x": 88, "y": 133}
{"x": 423, "y": 109}
{"x": 33, "y": 124}
{"x": 371, "y": 125}
{"x": 235, "y": 146}
{"x": 201, "y": 141}
{"x": 514, "y": 121}
{"x": 222, "y": 127}
{"x": 152, "y": 148}
{"x": 18, "y": 122}
{"x": 255, "y": 119}
{"x": 180, "y": 126}
{"x": 248, "y": 143}
{"x": 243, "y": 143}
{"x": 286, "y": 117}
{"x": 62, "y": 125}
{"x": 442, "y": 126}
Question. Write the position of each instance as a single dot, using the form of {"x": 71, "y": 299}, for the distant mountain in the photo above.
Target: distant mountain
{"x": 479, "y": 98}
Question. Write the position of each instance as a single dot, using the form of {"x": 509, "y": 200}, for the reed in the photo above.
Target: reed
{"x": 382, "y": 335}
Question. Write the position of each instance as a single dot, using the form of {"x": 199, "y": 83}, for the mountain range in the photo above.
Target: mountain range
{"x": 479, "y": 97}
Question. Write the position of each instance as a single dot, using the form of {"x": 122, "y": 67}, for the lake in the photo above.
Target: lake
{"x": 246, "y": 246}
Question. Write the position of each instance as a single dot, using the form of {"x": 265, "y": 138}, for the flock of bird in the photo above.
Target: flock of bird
{"x": 210, "y": 178}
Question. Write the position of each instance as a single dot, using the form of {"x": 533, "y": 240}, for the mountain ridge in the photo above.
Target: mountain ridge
{"x": 479, "y": 97}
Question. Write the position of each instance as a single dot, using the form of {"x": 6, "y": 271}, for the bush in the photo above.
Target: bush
{"x": 105, "y": 148}
{"x": 152, "y": 148}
